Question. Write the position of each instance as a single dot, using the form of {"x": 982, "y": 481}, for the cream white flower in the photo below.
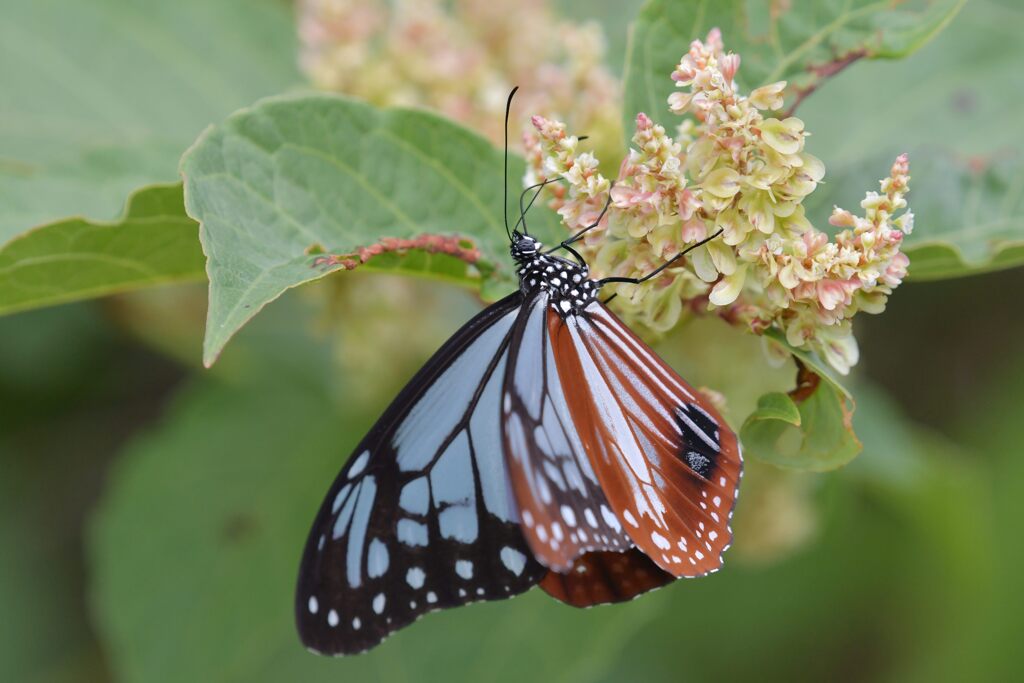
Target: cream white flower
{"x": 730, "y": 169}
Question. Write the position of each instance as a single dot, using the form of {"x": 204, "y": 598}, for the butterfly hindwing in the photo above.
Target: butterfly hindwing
{"x": 667, "y": 462}
{"x": 598, "y": 578}
{"x": 421, "y": 517}
{"x": 564, "y": 512}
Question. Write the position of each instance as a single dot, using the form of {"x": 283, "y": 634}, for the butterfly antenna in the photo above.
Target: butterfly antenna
{"x": 504, "y": 204}
{"x": 523, "y": 210}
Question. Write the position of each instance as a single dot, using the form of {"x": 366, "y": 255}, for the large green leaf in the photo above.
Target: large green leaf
{"x": 960, "y": 91}
{"x": 153, "y": 243}
{"x": 100, "y": 98}
{"x": 801, "y": 42}
{"x": 811, "y": 427}
{"x": 280, "y": 184}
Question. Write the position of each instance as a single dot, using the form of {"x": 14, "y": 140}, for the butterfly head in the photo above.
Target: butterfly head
{"x": 524, "y": 248}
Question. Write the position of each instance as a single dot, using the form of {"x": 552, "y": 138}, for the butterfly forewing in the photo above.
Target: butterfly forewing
{"x": 563, "y": 510}
{"x": 667, "y": 463}
{"x": 421, "y": 517}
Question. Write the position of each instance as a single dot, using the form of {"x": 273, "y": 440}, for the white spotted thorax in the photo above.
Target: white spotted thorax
{"x": 568, "y": 284}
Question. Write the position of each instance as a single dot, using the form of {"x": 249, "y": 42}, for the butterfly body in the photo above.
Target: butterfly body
{"x": 568, "y": 284}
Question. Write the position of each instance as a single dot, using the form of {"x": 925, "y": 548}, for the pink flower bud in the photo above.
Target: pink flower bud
{"x": 729, "y": 65}
{"x": 841, "y": 218}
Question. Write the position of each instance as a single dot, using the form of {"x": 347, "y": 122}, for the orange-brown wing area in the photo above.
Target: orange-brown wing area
{"x": 563, "y": 511}
{"x": 667, "y": 463}
{"x": 601, "y": 577}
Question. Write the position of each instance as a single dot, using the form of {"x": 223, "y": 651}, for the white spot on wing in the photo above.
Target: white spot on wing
{"x": 314, "y": 604}
{"x": 464, "y": 568}
{"x": 611, "y": 520}
{"x": 415, "y": 577}
{"x": 568, "y": 515}
{"x": 513, "y": 560}
{"x": 378, "y": 603}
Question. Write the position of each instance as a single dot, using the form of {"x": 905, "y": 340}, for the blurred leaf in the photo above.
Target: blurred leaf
{"x": 990, "y": 420}
{"x": 968, "y": 216}
{"x": 811, "y": 428}
{"x": 154, "y": 242}
{"x": 70, "y": 391}
{"x": 803, "y": 43}
{"x": 822, "y": 439}
{"x": 279, "y": 184}
{"x": 960, "y": 91}
{"x": 44, "y": 635}
{"x": 100, "y": 98}
{"x": 943, "y": 491}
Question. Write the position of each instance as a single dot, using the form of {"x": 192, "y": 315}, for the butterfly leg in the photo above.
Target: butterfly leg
{"x": 653, "y": 273}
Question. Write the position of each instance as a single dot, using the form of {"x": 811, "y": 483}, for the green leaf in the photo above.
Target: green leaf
{"x": 100, "y": 98}
{"x": 278, "y": 185}
{"x": 811, "y": 428}
{"x": 777, "y": 406}
{"x": 803, "y": 43}
{"x": 968, "y": 215}
{"x": 958, "y": 91}
{"x": 152, "y": 243}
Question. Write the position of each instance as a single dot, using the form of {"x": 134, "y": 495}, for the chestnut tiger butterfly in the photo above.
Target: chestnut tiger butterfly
{"x": 544, "y": 443}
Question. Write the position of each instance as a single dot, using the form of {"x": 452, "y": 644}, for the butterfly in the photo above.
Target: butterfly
{"x": 543, "y": 443}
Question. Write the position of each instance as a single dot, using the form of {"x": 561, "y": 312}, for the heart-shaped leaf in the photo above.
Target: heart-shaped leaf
{"x": 811, "y": 427}
{"x": 298, "y": 187}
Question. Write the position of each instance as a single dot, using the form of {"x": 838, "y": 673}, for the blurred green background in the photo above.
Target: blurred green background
{"x": 152, "y": 512}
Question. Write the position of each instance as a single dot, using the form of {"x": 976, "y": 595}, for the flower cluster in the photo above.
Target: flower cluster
{"x": 461, "y": 59}
{"x": 734, "y": 171}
